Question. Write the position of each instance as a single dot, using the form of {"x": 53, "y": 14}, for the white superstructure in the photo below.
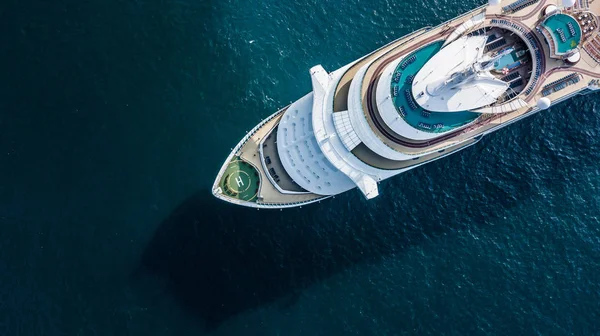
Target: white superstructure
{"x": 458, "y": 78}
{"x": 422, "y": 97}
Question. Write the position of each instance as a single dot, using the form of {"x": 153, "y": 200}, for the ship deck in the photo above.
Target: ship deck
{"x": 254, "y": 175}
{"x": 527, "y": 19}
{"x": 247, "y": 179}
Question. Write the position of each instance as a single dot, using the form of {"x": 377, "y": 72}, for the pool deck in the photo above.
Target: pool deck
{"x": 560, "y": 22}
{"x": 340, "y": 100}
{"x": 553, "y": 69}
{"x": 438, "y": 122}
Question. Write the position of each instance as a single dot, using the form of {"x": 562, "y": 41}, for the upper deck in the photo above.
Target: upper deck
{"x": 257, "y": 172}
{"x": 542, "y": 76}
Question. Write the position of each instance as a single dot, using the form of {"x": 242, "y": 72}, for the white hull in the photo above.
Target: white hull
{"x": 352, "y": 131}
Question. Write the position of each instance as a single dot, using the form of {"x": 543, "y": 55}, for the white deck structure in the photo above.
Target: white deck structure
{"x": 452, "y": 80}
{"x": 353, "y": 130}
{"x": 387, "y": 109}
{"x": 301, "y": 155}
{"x": 364, "y": 176}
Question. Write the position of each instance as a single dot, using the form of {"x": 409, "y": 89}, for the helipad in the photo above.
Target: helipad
{"x": 240, "y": 180}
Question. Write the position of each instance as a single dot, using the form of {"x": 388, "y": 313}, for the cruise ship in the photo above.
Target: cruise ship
{"x": 418, "y": 99}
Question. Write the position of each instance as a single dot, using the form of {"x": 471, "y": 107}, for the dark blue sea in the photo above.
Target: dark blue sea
{"x": 116, "y": 115}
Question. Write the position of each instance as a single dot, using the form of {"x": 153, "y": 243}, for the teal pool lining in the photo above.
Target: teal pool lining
{"x": 416, "y": 116}
{"x": 560, "y": 21}
{"x": 506, "y": 61}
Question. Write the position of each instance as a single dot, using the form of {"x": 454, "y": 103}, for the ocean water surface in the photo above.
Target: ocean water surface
{"x": 115, "y": 117}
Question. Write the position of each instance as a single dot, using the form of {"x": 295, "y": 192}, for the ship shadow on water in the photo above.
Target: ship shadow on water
{"x": 219, "y": 260}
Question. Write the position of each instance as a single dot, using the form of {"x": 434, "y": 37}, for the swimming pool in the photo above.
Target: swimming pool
{"x": 506, "y": 61}
{"x": 409, "y": 110}
{"x": 565, "y": 32}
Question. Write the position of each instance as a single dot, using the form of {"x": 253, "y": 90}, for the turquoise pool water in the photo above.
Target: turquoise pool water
{"x": 506, "y": 61}
{"x": 411, "y": 112}
{"x": 565, "y": 31}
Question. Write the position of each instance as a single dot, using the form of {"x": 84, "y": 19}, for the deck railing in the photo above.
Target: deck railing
{"x": 560, "y": 84}
{"x": 529, "y": 39}
{"x": 518, "y": 5}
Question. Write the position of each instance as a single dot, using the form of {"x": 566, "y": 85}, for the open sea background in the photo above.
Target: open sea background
{"x": 116, "y": 115}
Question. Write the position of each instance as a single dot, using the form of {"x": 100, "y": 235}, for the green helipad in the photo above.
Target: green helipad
{"x": 240, "y": 180}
